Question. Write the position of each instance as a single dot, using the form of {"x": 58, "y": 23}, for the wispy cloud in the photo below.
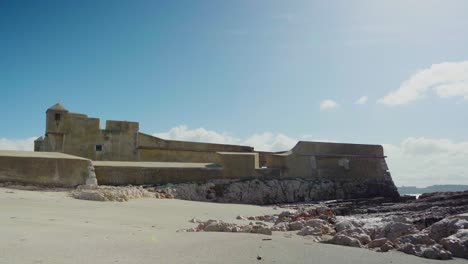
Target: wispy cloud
{"x": 424, "y": 161}
{"x": 17, "y": 144}
{"x": 448, "y": 79}
{"x": 265, "y": 141}
{"x": 328, "y": 104}
{"x": 362, "y": 100}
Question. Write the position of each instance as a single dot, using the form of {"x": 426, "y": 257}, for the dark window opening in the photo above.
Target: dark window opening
{"x": 98, "y": 147}
{"x": 57, "y": 117}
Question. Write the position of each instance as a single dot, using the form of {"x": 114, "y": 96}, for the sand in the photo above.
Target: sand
{"x": 51, "y": 227}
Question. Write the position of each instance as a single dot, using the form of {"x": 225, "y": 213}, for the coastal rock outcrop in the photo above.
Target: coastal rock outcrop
{"x": 279, "y": 191}
{"x": 442, "y": 240}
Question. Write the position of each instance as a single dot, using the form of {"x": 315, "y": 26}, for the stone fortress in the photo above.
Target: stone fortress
{"x": 120, "y": 155}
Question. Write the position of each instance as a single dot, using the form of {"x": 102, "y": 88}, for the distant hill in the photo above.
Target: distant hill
{"x": 433, "y": 188}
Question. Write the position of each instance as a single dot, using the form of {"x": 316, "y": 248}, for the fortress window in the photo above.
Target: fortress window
{"x": 57, "y": 117}
{"x": 98, "y": 147}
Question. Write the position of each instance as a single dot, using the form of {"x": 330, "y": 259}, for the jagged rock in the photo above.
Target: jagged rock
{"x": 296, "y": 225}
{"x": 344, "y": 224}
{"x": 310, "y": 231}
{"x": 386, "y": 247}
{"x": 240, "y": 217}
{"x": 432, "y": 252}
{"x": 394, "y": 230}
{"x": 280, "y": 227}
{"x": 447, "y": 227}
{"x": 111, "y": 193}
{"x": 344, "y": 241}
{"x": 436, "y": 252}
{"x": 261, "y": 230}
{"x": 358, "y": 233}
{"x": 220, "y": 226}
{"x": 408, "y": 249}
{"x": 457, "y": 243}
{"x": 376, "y": 243}
{"x": 421, "y": 238}
{"x": 279, "y": 190}
{"x": 396, "y": 218}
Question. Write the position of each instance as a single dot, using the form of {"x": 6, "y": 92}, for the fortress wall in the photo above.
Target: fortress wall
{"x": 320, "y": 148}
{"x": 148, "y": 141}
{"x": 43, "y": 168}
{"x": 81, "y": 134}
{"x": 167, "y": 155}
{"x": 238, "y": 165}
{"x": 119, "y": 141}
{"x": 116, "y": 173}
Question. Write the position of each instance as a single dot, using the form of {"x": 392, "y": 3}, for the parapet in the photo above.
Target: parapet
{"x": 112, "y": 125}
{"x": 43, "y": 168}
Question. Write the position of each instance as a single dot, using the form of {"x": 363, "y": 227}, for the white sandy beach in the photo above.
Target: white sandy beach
{"x": 50, "y": 227}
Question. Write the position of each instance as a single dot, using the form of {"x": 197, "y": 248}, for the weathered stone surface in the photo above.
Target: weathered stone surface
{"x": 386, "y": 247}
{"x": 344, "y": 241}
{"x": 394, "y": 230}
{"x": 268, "y": 191}
{"x": 447, "y": 227}
{"x": 310, "y": 231}
{"x": 457, "y": 243}
{"x": 296, "y": 225}
{"x": 436, "y": 252}
{"x": 111, "y": 193}
{"x": 377, "y": 243}
{"x": 280, "y": 227}
{"x": 421, "y": 238}
{"x": 220, "y": 226}
{"x": 344, "y": 224}
{"x": 358, "y": 233}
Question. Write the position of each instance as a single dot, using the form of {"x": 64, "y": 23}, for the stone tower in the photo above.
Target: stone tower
{"x": 56, "y": 127}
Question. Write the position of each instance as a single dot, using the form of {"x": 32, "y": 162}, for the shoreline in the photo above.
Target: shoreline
{"x": 51, "y": 227}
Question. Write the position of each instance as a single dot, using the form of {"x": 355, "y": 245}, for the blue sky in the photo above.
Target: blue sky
{"x": 266, "y": 73}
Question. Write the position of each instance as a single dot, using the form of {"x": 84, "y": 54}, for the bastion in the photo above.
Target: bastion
{"x": 122, "y": 155}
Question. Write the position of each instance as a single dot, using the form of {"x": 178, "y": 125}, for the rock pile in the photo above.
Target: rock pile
{"x": 443, "y": 240}
{"x": 220, "y": 226}
{"x": 112, "y": 193}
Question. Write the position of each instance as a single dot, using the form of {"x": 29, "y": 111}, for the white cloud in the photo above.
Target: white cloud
{"x": 270, "y": 142}
{"x": 448, "y": 79}
{"x": 266, "y": 141}
{"x": 362, "y": 100}
{"x": 198, "y": 134}
{"x": 17, "y": 144}
{"x": 427, "y": 161}
{"x": 328, "y": 104}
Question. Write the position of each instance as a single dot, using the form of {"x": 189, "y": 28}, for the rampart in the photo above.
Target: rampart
{"x": 123, "y": 155}
{"x": 43, "y": 168}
